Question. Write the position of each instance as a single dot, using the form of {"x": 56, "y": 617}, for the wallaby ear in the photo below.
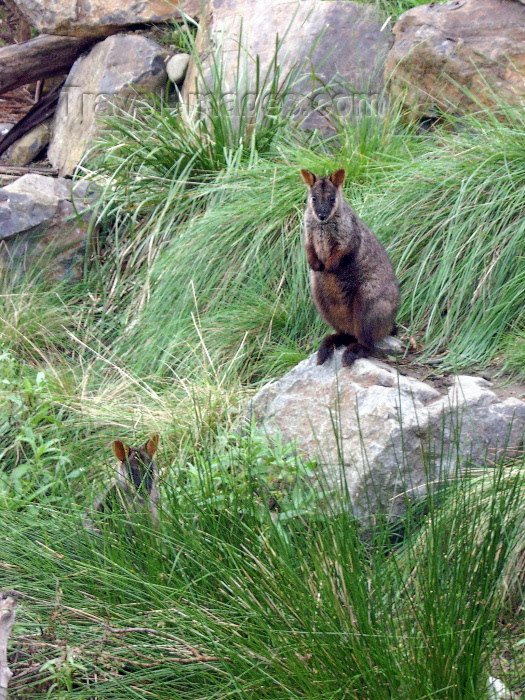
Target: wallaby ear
{"x": 338, "y": 177}
{"x": 152, "y": 444}
{"x": 308, "y": 177}
{"x": 120, "y": 450}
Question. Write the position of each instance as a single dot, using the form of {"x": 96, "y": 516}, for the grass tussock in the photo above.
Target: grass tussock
{"x": 232, "y": 276}
{"x": 219, "y": 601}
{"x": 452, "y": 218}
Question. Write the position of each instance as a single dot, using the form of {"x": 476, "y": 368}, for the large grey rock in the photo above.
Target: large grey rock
{"x": 341, "y": 42}
{"x": 30, "y": 145}
{"x": 101, "y": 17}
{"x": 389, "y": 431}
{"x": 113, "y": 73}
{"x": 457, "y": 56}
{"x": 39, "y": 228}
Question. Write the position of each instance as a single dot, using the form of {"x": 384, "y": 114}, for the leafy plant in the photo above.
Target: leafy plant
{"x": 34, "y": 464}
{"x": 242, "y": 469}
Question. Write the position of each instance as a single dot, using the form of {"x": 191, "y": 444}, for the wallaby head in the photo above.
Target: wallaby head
{"x": 137, "y": 464}
{"x": 324, "y": 193}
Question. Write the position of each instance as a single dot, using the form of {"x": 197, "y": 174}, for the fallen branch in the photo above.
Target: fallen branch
{"x": 42, "y": 57}
{"x": 36, "y": 115}
{"x": 7, "y": 617}
{"x": 19, "y": 170}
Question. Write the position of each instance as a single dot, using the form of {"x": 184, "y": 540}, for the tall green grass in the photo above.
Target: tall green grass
{"x": 219, "y": 602}
{"x": 230, "y": 286}
{"x": 452, "y": 218}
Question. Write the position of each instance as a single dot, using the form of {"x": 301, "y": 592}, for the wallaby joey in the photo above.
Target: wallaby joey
{"x": 134, "y": 487}
{"x": 352, "y": 279}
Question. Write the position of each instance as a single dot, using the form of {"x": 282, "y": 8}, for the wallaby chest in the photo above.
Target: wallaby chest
{"x": 324, "y": 239}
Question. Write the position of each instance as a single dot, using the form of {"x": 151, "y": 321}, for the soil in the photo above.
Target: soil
{"x": 503, "y": 385}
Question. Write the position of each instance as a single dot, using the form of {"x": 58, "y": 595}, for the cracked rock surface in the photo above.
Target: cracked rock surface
{"x": 384, "y": 432}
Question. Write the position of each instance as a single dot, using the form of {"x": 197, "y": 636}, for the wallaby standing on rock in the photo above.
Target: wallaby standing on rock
{"x": 134, "y": 487}
{"x": 353, "y": 282}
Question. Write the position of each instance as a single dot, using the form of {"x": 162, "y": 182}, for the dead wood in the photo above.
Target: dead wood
{"x": 36, "y": 115}
{"x": 7, "y": 617}
{"x": 42, "y": 57}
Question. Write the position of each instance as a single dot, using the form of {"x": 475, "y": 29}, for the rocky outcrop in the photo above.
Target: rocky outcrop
{"x": 456, "y": 56}
{"x": 341, "y": 42}
{"x": 40, "y": 229}
{"x": 101, "y": 17}
{"x": 115, "y": 71}
{"x": 384, "y": 433}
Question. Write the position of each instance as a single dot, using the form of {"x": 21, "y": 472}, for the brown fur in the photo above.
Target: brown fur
{"x": 352, "y": 279}
{"x": 134, "y": 486}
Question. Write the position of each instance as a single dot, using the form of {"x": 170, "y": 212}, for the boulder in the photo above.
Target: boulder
{"x": 101, "y": 17}
{"x": 39, "y": 228}
{"x": 343, "y": 43}
{"x": 384, "y": 433}
{"x": 456, "y": 56}
{"x": 177, "y": 66}
{"x": 113, "y": 72}
{"x": 27, "y": 148}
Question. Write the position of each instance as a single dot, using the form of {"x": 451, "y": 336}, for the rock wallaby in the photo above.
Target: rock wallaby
{"x": 352, "y": 279}
{"x": 135, "y": 484}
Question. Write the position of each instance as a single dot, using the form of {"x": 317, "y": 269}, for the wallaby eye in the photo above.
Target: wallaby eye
{"x": 314, "y": 198}
{"x": 332, "y": 200}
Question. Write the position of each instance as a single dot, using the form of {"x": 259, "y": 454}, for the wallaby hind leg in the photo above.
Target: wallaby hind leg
{"x": 364, "y": 347}
{"x": 334, "y": 340}
{"x": 369, "y": 329}
{"x": 353, "y": 352}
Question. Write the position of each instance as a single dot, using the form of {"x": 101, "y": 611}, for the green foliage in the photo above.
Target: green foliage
{"x": 485, "y": 506}
{"x": 456, "y": 618}
{"x": 229, "y": 266}
{"x": 514, "y": 351}
{"x": 34, "y": 319}
{"x": 34, "y": 465}
{"x": 243, "y": 468}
